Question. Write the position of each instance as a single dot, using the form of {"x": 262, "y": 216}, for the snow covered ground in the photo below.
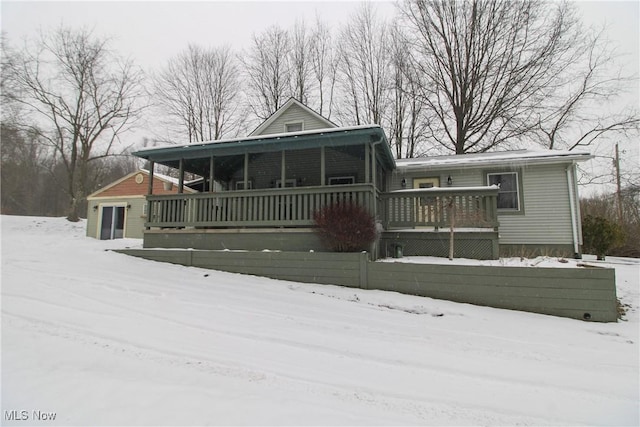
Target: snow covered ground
{"x": 93, "y": 337}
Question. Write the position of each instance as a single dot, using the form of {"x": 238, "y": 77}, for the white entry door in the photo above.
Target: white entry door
{"x": 112, "y": 225}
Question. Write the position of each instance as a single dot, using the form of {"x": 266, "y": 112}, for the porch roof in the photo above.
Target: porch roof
{"x": 335, "y": 137}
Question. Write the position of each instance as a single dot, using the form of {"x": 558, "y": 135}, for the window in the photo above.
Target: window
{"x": 287, "y": 183}
{"x": 240, "y": 185}
{"x": 293, "y": 127}
{"x": 426, "y": 182}
{"x": 341, "y": 180}
{"x": 508, "y": 194}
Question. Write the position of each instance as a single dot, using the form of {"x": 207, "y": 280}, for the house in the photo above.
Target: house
{"x": 260, "y": 192}
{"x": 538, "y": 209}
{"x": 118, "y": 210}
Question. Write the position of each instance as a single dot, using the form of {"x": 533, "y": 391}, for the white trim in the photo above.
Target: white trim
{"x": 249, "y": 182}
{"x": 291, "y": 101}
{"x": 115, "y": 204}
{"x": 163, "y": 178}
{"x": 136, "y": 196}
{"x": 572, "y": 209}
{"x": 351, "y": 177}
{"x": 518, "y": 208}
{"x": 300, "y": 122}
{"x": 287, "y": 181}
{"x": 484, "y": 160}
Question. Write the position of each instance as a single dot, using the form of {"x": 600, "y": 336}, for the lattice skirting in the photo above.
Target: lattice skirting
{"x": 475, "y": 245}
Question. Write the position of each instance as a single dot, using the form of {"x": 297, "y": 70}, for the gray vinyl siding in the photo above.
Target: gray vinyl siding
{"x": 134, "y": 219}
{"x": 294, "y": 114}
{"x": 546, "y": 216}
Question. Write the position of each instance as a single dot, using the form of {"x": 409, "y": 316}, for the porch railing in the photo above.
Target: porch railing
{"x": 472, "y": 207}
{"x": 282, "y": 207}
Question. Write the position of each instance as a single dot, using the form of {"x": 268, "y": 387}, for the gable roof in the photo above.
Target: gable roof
{"x": 517, "y": 157}
{"x": 161, "y": 177}
{"x": 292, "y": 101}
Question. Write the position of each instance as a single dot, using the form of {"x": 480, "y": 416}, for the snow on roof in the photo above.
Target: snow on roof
{"x": 498, "y": 157}
{"x": 269, "y": 136}
{"x": 163, "y": 177}
{"x": 446, "y": 189}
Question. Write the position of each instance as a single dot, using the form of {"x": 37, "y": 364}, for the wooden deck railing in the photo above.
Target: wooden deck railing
{"x": 436, "y": 207}
{"x": 282, "y": 207}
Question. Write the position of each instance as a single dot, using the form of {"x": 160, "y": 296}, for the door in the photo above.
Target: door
{"x": 427, "y": 207}
{"x": 112, "y": 225}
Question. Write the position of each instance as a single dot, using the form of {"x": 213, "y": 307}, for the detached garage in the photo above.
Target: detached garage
{"x": 119, "y": 209}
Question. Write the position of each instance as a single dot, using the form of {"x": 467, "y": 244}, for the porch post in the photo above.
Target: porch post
{"x": 151, "y": 168}
{"x": 374, "y": 161}
{"x": 212, "y": 170}
{"x": 323, "y": 166}
{"x": 152, "y": 165}
{"x": 367, "y": 161}
{"x": 374, "y": 196}
{"x": 181, "y": 177}
{"x": 283, "y": 170}
{"x": 246, "y": 171}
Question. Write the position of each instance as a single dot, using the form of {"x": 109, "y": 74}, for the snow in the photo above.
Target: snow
{"x": 265, "y": 136}
{"x": 99, "y": 338}
{"x": 482, "y": 159}
{"x": 446, "y": 189}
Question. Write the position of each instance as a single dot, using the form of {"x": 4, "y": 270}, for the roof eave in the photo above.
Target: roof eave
{"x": 481, "y": 163}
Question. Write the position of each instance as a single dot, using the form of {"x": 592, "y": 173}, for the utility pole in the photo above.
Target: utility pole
{"x": 616, "y": 164}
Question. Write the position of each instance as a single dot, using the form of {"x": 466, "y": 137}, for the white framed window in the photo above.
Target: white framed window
{"x": 287, "y": 183}
{"x": 341, "y": 180}
{"x": 294, "y": 127}
{"x": 240, "y": 185}
{"x": 509, "y": 189}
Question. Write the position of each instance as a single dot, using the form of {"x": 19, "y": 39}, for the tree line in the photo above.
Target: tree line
{"x": 439, "y": 77}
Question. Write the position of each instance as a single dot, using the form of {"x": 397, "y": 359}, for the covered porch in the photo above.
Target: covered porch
{"x": 260, "y": 193}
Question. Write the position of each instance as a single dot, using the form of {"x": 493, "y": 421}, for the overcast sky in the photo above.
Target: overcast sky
{"x": 151, "y": 32}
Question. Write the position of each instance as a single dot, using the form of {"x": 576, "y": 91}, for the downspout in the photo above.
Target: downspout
{"x": 572, "y": 207}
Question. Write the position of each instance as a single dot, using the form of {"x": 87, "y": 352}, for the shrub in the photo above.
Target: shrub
{"x": 600, "y": 235}
{"x": 345, "y": 227}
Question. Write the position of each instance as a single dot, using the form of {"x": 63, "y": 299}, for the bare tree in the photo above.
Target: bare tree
{"x": 199, "y": 89}
{"x": 364, "y": 68}
{"x": 268, "y": 71}
{"x": 486, "y": 66}
{"x": 576, "y": 105}
{"x": 408, "y": 124}
{"x": 78, "y": 97}
{"x": 323, "y": 61}
{"x": 301, "y": 62}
